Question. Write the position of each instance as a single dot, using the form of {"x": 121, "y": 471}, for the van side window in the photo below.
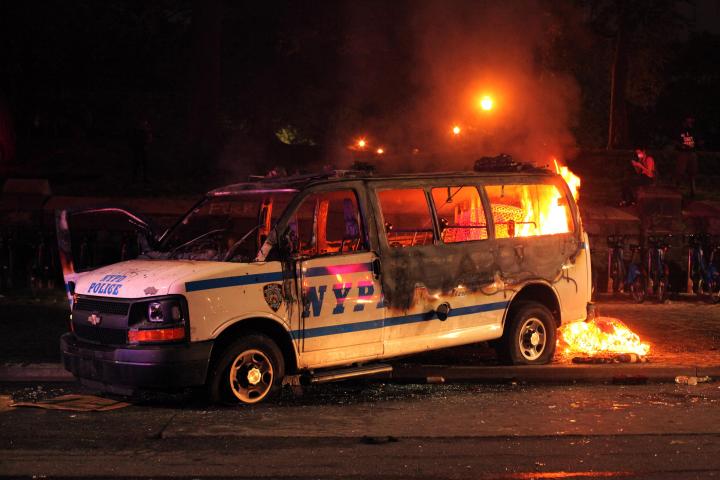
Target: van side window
{"x": 408, "y": 221}
{"x": 329, "y": 223}
{"x": 460, "y": 214}
{"x": 529, "y": 210}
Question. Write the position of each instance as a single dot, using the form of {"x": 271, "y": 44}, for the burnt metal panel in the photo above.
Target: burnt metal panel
{"x": 483, "y": 266}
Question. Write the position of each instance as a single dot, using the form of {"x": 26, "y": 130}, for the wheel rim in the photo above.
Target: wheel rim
{"x": 251, "y": 376}
{"x": 532, "y": 339}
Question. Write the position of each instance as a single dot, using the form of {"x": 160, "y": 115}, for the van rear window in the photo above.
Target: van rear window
{"x": 408, "y": 221}
{"x": 528, "y": 210}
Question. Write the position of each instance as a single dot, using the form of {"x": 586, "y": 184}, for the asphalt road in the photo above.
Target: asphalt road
{"x": 375, "y": 430}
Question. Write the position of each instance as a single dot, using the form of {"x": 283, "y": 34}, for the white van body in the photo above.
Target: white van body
{"x": 348, "y": 270}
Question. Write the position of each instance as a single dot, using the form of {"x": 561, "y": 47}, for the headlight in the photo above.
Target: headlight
{"x": 169, "y": 310}
{"x": 155, "y": 312}
{"x": 161, "y": 319}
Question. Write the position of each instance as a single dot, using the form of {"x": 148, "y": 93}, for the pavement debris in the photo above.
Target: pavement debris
{"x": 75, "y": 403}
{"x": 692, "y": 380}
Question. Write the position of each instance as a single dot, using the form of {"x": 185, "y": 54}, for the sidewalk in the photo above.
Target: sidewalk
{"x": 684, "y": 338}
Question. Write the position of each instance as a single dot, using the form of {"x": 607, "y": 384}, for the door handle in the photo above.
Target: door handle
{"x": 376, "y": 268}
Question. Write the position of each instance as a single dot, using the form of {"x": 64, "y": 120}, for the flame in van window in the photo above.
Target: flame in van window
{"x": 529, "y": 210}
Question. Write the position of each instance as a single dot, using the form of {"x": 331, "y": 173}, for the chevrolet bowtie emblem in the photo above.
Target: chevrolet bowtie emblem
{"x": 94, "y": 319}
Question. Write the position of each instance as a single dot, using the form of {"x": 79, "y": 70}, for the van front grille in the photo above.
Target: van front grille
{"x": 101, "y": 306}
{"x": 106, "y": 336}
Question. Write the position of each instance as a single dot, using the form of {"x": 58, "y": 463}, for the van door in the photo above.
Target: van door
{"x": 413, "y": 268}
{"x": 95, "y": 237}
{"x": 432, "y": 278}
{"x": 340, "y": 290}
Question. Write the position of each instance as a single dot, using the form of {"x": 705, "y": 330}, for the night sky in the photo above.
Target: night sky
{"x": 238, "y": 85}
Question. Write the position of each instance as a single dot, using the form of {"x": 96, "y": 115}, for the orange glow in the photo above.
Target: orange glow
{"x": 486, "y": 103}
{"x": 545, "y": 213}
{"x": 572, "y": 180}
{"x": 529, "y": 210}
{"x": 600, "y": 335}
{"x": 361, "y": 143}
{"x": 380, "y": 151}
{"x": 456, "y": 130}
{"x": 552, "y": 214}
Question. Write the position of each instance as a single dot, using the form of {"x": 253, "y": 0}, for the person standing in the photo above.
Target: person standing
{"x": 686, "y": 163}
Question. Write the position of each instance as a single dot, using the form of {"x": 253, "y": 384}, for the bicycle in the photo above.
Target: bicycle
{"x": 714, "y": 272}
{"x": 658, "y": 272}
{"x": 703, "y": 272}
{"x": 698, "y": 273}
{"x": 621, "y": 276}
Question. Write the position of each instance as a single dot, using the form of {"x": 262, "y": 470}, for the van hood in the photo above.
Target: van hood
{"x": 145, "y": 278}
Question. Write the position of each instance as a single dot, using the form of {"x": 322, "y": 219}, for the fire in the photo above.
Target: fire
{"x": 547, "y": 213}
{"x": 545, "y": 210}
{"x": 600, "y": 335}
{"x": 572, "y": 180}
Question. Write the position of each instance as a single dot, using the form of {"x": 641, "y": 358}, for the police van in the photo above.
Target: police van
{"x": 322, "y": 277}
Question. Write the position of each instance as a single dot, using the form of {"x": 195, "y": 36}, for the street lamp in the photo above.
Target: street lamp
{"x": 486, "y": 103}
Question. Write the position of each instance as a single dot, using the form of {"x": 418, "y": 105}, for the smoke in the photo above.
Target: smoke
{"x": 454, "y": 53}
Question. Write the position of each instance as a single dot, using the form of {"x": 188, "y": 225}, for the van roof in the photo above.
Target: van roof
{"x": 299, "y": 182}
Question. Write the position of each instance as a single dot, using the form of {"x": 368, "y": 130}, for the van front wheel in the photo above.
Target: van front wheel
{"x": 530, "y": 335}
{"x": 250, "y": 370}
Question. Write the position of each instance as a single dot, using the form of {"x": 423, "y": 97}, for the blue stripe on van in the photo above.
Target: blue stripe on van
{"x": 250, "y": 279}
{"x": 338, "y": 269}
{"x": 274, "y": 276}
{"x": 394, "y": 321}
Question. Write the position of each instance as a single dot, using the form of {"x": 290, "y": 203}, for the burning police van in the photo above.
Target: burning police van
{"x": 322, "y": 277}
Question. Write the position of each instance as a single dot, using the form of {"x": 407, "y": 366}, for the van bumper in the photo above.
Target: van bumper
{"x": 157, "y": 366}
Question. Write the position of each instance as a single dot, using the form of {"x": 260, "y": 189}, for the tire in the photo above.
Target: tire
{"x": 530, "y": 335}
{"x": 250, "y": 370}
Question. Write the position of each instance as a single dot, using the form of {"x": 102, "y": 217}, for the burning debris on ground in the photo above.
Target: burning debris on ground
{"x": 601, "y": 340}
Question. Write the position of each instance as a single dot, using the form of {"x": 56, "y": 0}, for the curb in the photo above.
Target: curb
{"x": 612, "y": 373}
{"x": 34, "y": 372}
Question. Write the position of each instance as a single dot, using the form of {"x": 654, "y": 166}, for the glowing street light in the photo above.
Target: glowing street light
{"x": 361, "y": 143}
{"x": 380, "y": 151}
{"x": 486, "y": 103}
{"x": 456, "y": 130}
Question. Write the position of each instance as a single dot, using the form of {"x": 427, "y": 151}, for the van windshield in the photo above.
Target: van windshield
{"x": 226, "y": 228}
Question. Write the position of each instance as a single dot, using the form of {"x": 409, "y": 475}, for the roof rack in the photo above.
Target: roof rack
{"x": 505, "y": 163}
{"x": 310, "y": 176}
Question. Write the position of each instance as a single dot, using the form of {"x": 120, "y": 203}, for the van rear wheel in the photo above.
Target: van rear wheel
{"x": 530, "y": 335}
{"x": 250, "y": 370}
